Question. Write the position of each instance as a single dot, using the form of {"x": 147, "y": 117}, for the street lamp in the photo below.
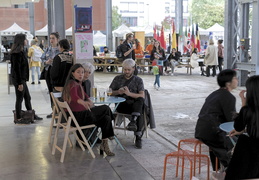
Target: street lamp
{"x": 148, "y": 14}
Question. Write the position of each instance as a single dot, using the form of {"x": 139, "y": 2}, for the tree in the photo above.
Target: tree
{"x": 207, "y": 12}
{"x": 167, "y": 22}
{"x": 116, "y": 18}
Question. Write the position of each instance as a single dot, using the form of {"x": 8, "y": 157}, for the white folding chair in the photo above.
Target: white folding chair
{"x": 55, "y": 114}
{"x": 68, "y": 129}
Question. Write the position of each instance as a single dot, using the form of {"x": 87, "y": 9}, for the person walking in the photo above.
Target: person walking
{"x": 211, "y": 58}
{"x": 47, "y": 58}
{"x": 156, "y": 71}
{"x": 220, "y": 54}
{"x": 35, "y": 53}
{"x": 19, "y": 75}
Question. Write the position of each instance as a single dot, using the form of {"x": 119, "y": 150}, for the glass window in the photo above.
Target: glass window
{"x": 131, "y": 21}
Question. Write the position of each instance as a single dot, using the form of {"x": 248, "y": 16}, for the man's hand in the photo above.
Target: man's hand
{"x": 126, "y": 90}
{"x": 121, "y": 90}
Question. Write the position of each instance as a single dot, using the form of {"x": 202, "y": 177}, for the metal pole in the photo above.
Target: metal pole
{"x": 59, "y": 16}
{"x": 31, "y": 17}
{"x": 109, "y": 24}
{"x": 50, "y": 17}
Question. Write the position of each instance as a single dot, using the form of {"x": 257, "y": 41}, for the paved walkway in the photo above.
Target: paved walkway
{"x": 25, "y": 153}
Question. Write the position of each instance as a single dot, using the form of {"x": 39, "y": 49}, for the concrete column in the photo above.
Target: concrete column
{"x": 59, "y": 18}
{"x": 230, "y": 34}
{"x": 31, "y": 17}
{"x": 50, "y": 18}
{"x": 109, "y": 24}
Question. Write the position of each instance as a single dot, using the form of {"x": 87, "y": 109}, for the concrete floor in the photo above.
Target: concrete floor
{"x": 26, "y": 154}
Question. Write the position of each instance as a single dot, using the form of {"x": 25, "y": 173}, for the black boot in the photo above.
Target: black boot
{"x": 138, "y": 142}
{"x": 132, "y": 125}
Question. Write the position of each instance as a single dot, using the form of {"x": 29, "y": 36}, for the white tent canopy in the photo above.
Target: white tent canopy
{"x": 42, "y": 32}
{"x": 121, "y": 31}
{"x": 216, "y": 29}
{"x": 13, "y": 30}
{"x": 99, "y": 39}
{"x": 69, "y": 31}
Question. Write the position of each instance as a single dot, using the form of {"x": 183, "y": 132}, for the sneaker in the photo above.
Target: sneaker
{"x": 39, "y": 82}
{"x": 157, "y": 88}
{"x": 132, "y": 126}
{"x": 154, "y": 86}
{"x": 49, "y": 115}
{"x": 36, "y": 117}
{"x": 22, "y": 121}
{"x": 138, "y": 142}
{"x": 33, "y": 83}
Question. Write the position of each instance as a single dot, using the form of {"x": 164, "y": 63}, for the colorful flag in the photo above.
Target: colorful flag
{"x": 193, "y": 38}
{"x": 185, "y": 40}
{"x": 154, "y": 35}
{"x": 174, "y": 41}
{"x": 197, "y": 42}
{"x": 162, "y": 38}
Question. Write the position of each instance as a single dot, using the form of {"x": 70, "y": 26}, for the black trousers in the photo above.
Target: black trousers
{"x": 220, "y": 61}
{"x": 133, "y": 105}
{"x": 101, "y": 116}
{"x": 219, "y": 148}
{"x": 20, "y": 95}
{"x": 213, "y": 70}
{"x": 49, "y": 84}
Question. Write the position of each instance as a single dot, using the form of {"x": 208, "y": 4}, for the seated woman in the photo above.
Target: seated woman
{"x": 194, "y": 61}
{"x": 244, "y": 162}
{"x": 83, "y": 108}
{"x": 218, "y": 108}
{"x": 89, "y": 69}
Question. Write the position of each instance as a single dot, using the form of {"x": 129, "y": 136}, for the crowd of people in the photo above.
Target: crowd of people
{"x": 63, "y": 75}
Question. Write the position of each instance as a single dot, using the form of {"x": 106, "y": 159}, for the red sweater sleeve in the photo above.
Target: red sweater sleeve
{"x": 76, "y": 93}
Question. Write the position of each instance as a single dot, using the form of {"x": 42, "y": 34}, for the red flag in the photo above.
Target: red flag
{"x": 197, "y": 42}
{"x": 154, "y": 35}
{"x": 162, "y": 38}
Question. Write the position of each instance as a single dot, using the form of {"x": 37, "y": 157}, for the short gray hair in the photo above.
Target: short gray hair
{"x": 34, "y": 42}
{"x": 88, "y": 67}
{"x": 128, "y": 63}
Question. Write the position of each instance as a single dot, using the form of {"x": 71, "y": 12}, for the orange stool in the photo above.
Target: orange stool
{"x": 185, "y": 159}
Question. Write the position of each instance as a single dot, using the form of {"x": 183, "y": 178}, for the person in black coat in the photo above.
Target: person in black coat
{"x": 218, "y": 108}
{"x": 19, "y": 75}
{"x": 61, "y": 66}
{"x": 244, "y": 163}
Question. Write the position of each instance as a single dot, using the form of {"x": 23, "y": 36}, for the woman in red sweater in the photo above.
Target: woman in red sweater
{"x": 83, "y": 108}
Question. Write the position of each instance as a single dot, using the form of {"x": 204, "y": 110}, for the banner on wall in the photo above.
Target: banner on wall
{"x": 83, "y": 19}
{"x": 84, "y": 45}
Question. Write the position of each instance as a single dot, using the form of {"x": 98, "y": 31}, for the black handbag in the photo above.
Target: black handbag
{"x": 29, "y": 115}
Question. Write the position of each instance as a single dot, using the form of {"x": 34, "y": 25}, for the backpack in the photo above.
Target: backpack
{"x": 119, "y": 53}
{"x": 37, "y": 53}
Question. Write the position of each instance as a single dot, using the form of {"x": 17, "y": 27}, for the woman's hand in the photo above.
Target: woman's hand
{"x": 20, "y": 87}
{"x": 49, "y": 61}
{"x": 234, "y": 133}
{"x": 242, "y": 96}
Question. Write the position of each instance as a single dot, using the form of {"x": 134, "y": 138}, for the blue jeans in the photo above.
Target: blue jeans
{"x": 33, "y": 68}
{"x": 157, "y": 80}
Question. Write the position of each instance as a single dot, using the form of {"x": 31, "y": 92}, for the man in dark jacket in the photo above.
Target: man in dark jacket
{"x": 218, "y": 108}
